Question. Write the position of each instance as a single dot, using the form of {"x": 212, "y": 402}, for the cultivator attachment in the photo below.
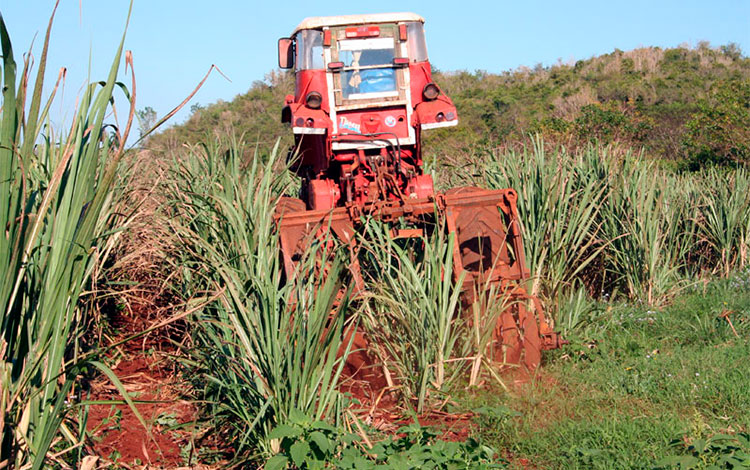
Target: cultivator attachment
{"x": 487, "y": 254}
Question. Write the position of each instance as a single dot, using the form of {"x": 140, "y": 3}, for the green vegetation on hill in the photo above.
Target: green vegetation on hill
{"x": 689, "y": 105}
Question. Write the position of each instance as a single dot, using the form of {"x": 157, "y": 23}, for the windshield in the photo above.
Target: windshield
{"x": 309, "y": 50}
{"x": 417, "y": 45}
{"x": 368, "y": 68}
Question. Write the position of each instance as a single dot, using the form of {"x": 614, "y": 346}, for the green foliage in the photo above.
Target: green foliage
{"x": 56, "y": 221}
{"x": 631, "y": 380}
{"x": 640, "y": 98}
{"x": 576, "y": 310}
{"x": 307, "y": 444}
{"x": 608, "y": 123}
{"x": 717, "y": 133}
{"x": 724, "y": 213}
{"x": 620, "y": 224}
{"x": 719, "y": 451}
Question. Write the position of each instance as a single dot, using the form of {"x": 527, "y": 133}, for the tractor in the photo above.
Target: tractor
{"x": 363, "y": 95}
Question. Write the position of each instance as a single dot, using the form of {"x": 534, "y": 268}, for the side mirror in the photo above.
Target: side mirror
{"x": 286, "y": 53}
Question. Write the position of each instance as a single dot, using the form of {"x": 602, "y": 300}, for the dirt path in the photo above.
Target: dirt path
{"x": 118, "y": 434}
{"x": 148, "y": 372}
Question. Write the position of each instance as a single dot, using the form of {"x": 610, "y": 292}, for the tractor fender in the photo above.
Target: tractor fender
{"x": 439, "y": 112}
{"x": 305, "y": 120}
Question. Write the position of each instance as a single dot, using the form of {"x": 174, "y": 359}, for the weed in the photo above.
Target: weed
{"x": 719, "y": 451}
{"x": 307, "y": 444}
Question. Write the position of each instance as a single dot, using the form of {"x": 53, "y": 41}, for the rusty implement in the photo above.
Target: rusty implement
{"x": 488, "y": 251}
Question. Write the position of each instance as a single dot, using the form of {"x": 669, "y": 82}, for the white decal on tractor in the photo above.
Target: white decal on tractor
{"x": 345, "y": 123}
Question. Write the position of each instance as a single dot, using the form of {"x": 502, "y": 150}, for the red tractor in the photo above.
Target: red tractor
{"x": 364, "y": 93}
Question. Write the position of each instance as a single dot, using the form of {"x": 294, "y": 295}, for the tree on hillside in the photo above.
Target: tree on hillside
{"x": 718, "y": 132}
{"x": 146, "y": 119}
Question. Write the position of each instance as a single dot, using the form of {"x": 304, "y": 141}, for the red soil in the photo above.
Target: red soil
{"x": 379, "y": 406}
{"x": 153, "y": 382}
{"x": 116, "y": 428}
{"x": 455, "y": 427}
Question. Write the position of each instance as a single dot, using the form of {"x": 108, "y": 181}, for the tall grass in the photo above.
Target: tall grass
{"x": 55, "y": 198}
{"x": 643, "y": 219}
{"x": 621, "y": 224}
{"x": 725, "y": 217}
{"x": 267, "y": 349}
{"x": 560, "y": 200}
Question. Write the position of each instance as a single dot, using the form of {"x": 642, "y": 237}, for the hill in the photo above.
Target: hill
{"x": 690, "y": 105}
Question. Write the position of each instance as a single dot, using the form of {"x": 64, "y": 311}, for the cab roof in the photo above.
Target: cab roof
{"x": 318, "y": 22}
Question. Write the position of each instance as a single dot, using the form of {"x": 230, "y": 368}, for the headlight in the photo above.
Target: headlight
{"x": 430, "y": 91}
{"x": 314, "y": 100}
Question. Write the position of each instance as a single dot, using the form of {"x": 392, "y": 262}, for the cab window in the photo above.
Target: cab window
{"x": 368, "y": 68}
{"x": 309, "y": 50}
{"x": 417, "y": 44}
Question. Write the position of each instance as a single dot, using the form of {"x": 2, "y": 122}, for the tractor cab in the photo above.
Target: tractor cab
{"x": 363, "y": 94}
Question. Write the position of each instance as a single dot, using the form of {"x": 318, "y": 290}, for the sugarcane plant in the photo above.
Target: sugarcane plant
{"x": 267, "y": 347}
{"x": 55, "y": 201}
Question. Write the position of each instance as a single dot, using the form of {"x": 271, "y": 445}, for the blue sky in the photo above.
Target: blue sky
{"x": 174, "y": 42}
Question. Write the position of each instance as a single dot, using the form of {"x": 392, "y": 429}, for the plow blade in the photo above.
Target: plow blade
{"x": 488, "y": 255}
